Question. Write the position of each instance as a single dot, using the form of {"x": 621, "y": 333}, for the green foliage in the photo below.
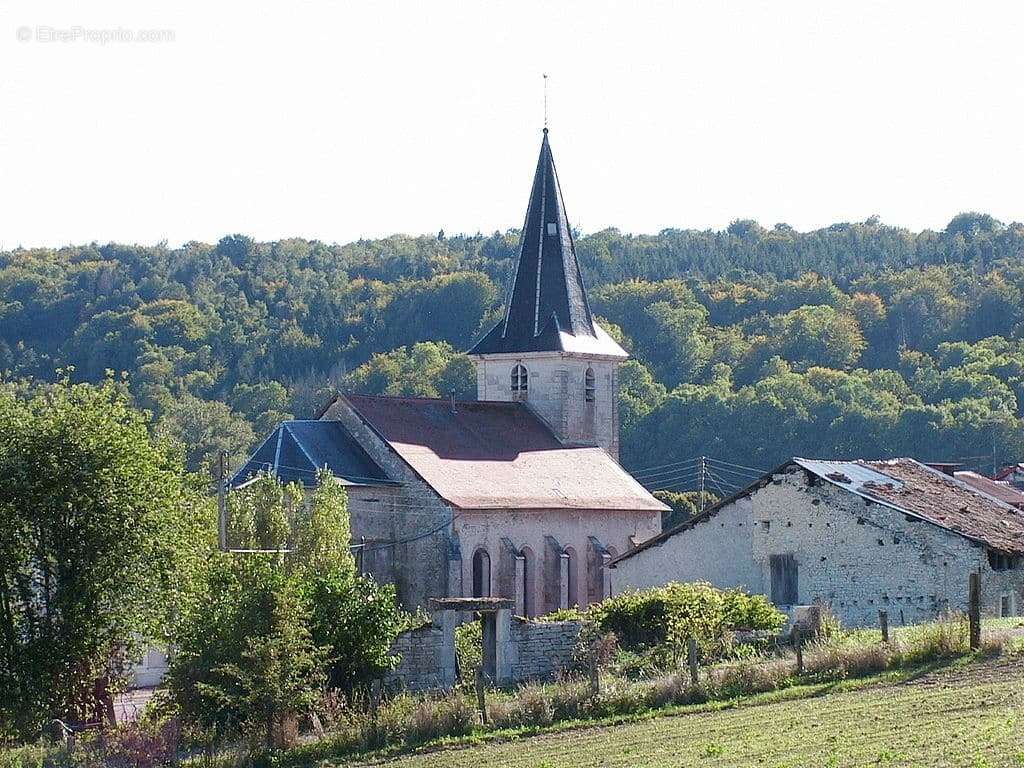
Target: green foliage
{"x": 751, "y": 344}
{"x": 469, "y": 650}
{"x": 264, "y": 632}
{"x": 99, "y": 535}
{"x": 669, "y": 615}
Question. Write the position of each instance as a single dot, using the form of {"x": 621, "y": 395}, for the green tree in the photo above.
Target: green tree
{"x": 98, "y": 532}
{"x": 206, "y": 428}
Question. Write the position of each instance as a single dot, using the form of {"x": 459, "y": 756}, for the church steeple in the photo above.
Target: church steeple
{"x": 546, "y": 308}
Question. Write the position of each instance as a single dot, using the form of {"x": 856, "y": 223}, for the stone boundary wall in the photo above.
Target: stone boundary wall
{"x": 541, "y": 650}
{"x": 427, "y": 659}
{"x": 525, "y": 651}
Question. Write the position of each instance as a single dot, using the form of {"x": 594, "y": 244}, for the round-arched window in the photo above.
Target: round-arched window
{"x": 520, "y": 378}
{"x": 588, "y": 385}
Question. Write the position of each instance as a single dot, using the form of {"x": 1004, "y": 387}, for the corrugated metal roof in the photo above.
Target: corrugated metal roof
{"x": 904, "y": 485}
{"x": 297, "y": 449}
{"x": 856, "y": 473}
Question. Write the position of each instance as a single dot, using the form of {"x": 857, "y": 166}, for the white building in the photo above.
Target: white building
{"x": 861, "y": 536}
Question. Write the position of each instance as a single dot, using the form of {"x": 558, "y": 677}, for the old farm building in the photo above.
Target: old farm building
{"x": 517, "y": 494}
{"x": 862, "y": 536}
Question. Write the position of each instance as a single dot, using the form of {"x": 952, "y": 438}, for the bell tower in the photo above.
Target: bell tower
{"x": 547, "y": 350}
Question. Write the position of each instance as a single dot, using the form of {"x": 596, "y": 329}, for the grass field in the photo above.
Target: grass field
{"x": 966, "y": 716}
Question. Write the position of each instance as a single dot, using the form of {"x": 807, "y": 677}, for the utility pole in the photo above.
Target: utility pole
{"x": 702, "y": 484}
{"x": 222, "y": 511}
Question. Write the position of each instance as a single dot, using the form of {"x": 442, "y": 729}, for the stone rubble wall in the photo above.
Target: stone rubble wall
{"x": 425, "y": 663}
{"x": 536, "y": 651}
{"x": 541, "y": 649}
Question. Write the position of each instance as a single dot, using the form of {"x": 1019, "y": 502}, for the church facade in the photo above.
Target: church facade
{"x": 517, "y": 494}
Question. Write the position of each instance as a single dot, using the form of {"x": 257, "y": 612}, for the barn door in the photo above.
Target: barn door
{"x": 784, "y": 579}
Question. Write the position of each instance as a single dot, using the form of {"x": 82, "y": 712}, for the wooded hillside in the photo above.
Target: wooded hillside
{"x": 749, "y": 344}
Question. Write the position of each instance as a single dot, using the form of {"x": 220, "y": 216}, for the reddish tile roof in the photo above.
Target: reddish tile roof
{"x": 1005, "y": 492}
{"x": 947, "y": 502}
{"x": 488, "y": 455}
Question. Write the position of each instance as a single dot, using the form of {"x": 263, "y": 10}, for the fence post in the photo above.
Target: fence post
{"x": 691, "y": 657}
{"x": 974, "y": 610}
{"x": 883, "y": 623}
{"x": 481, "y": 695}
{"x": 595, "y": 675}
{"x": 798, "y": 644}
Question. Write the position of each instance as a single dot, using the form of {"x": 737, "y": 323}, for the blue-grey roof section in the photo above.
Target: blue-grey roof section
{"x": 296, "y": 450}
{"x": 851, "y": 475}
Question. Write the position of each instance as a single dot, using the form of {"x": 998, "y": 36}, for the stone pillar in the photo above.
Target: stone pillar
{"x": 606, "y": 576}
{"x": 563, "y": 580}
{"x": 520, "y": 586}
{"x": 504, "y": 649}
{"x": 446, "y": 661}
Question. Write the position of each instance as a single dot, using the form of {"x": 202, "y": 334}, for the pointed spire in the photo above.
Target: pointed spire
{"x": 547, "y": 300}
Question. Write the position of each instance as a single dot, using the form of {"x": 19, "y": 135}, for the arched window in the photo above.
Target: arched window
{"x": 588, "y": 385}
{"x": 520, "y": 379}
{"x": 481, "y": 573}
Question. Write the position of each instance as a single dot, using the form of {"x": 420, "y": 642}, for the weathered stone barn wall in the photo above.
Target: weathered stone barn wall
{"x": 716, "y": 550}
{"x": 862, "y": 557}
{"x": 857, "y": 556}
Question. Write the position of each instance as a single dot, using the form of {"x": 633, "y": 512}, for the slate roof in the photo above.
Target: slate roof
{"x": 297, "y": 449}
{"x": 905, "y": 485}
{"x": 498, "y": 455}
{"x": 546, "y": 308}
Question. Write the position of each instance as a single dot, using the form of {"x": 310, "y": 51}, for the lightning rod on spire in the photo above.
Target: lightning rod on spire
{"x": 545, "y": 102}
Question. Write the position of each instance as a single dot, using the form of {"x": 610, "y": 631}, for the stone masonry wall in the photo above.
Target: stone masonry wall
{"x": 542, "y": 650}
{"x": 427, "y": 659}
{"x": 856, "y": 556}
{"x": 531, "y": 651}
{"x": 419, "y": 569}
{"x": 557, "y": 393}
{"x": 861, "y": 557}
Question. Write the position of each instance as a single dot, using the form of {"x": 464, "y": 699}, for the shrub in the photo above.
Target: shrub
{"x": 469, "y": 650}
{"x": 668, "y": 615}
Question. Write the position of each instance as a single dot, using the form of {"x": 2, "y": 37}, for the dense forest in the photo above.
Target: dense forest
{"x": 749, "y": 344}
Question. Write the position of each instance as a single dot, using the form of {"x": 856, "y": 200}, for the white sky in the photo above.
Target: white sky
{"x": 339, "y": 120}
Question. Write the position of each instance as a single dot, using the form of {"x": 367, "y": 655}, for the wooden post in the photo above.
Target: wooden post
{"x": 691, "y": 657}
{"x": 883, "y": 623}
{"x": 798, "y": 644}
{"x": 595, "y": 674}
{"x": 974, "y": 610}
{"x": 481, "y": 695}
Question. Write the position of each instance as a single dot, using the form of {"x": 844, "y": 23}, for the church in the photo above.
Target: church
{"x": 516, "y": 494}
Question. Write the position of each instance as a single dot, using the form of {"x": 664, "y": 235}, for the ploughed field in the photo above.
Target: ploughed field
{"x": 965, "y": 716}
